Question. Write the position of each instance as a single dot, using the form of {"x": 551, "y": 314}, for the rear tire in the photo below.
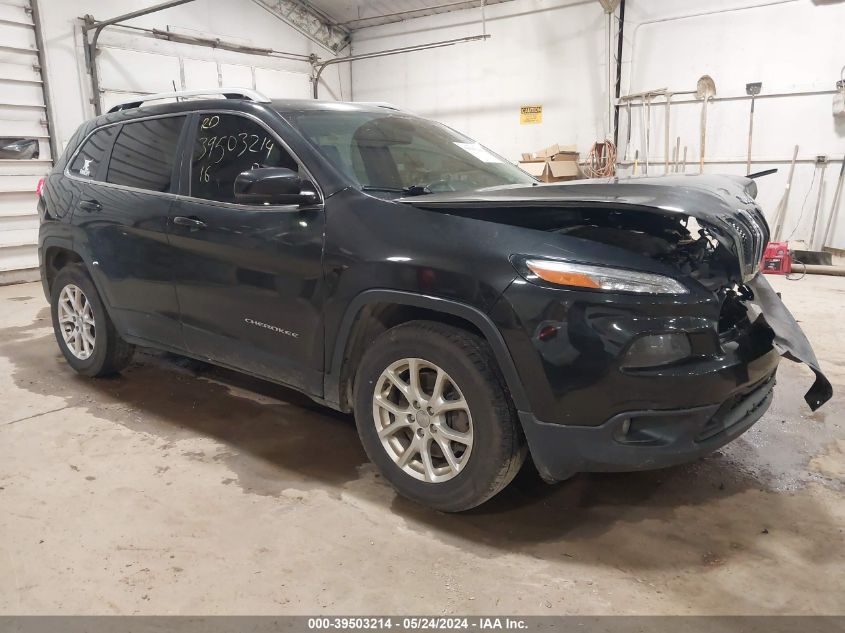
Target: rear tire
{"x": 83, "y": 329}
{"x": 448, "y": 439}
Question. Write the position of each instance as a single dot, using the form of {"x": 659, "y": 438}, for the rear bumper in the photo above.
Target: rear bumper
{"x": 645, "y": 439}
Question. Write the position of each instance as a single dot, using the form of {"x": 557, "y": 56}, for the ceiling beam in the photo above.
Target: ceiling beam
{"x": 313, "y": 24}
{"x": 398, "y": 16}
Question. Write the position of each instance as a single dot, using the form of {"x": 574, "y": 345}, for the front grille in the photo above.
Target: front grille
{"x": 745, "y": 241}
{"x": 751, "y": 240}
{"x": 757, "y": 224}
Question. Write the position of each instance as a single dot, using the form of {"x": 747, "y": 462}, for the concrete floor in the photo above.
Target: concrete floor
{"x": 182, "y": 489}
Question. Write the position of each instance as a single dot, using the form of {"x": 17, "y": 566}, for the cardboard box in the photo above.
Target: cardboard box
{"x": 554, "y": 163}
{"x": 553, "y": 150}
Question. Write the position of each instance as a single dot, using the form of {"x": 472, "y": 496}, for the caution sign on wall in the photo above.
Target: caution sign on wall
{"x": 530, "y": 114}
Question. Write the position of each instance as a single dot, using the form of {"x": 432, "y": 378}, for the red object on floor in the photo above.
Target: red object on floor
{"x": 777, "y": 260}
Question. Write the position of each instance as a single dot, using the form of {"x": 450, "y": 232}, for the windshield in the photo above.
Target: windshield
{"x": 389, "y": 153}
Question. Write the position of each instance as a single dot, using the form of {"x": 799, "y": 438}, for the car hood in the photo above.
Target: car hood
{"x": 697, "y": 195}
{"x": 725, "y": 204}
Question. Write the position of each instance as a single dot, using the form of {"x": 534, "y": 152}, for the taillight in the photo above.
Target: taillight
{"x": 39, "y": 188}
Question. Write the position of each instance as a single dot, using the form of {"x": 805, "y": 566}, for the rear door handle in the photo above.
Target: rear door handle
{"x": 194, "y": 223}
{"x": 90, "y": 205}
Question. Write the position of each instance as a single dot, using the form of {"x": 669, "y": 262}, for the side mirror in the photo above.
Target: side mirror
{"x": 273, "y": 185}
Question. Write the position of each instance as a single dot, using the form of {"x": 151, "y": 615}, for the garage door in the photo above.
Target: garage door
{"x": 24, "y": 141}
{"x": 126, "y": 73}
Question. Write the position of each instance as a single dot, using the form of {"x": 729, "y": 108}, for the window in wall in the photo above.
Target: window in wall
{"x": 225, "y": 146}
{"x": 144, "y": 153}
{"x": 90, "y": 157}
{"x": 17, "y": 148}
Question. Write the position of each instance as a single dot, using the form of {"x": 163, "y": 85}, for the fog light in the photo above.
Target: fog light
{"x": 657, "y": 349}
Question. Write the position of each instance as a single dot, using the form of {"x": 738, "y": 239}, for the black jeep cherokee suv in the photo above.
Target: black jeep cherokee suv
{"x": 389, "y": 266}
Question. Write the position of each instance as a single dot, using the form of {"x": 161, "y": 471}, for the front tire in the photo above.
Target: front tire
{"x": 434, "y": 416}
{"x": 83, "y": 329}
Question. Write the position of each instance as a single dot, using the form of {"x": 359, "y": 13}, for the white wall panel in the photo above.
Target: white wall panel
{"x": 540, "y": 52}
{"x": 15, "y": 13}
{"x": 236, "y": 75}
{"x": 13, "y": 183}
{"x": 28, "y": 128}
{"x": 18, "y": 36}
{"x": 14, "y": 92}
{"x": 20, "y": 83}
{"x": 16, "y": 203}
{"x": 279, "y": 84}
{"x": 136, "y": 71}
{"x": 20, "y": 72}
{"x": 199, "y": 73}
{"x": 17, "y": 221}
{"x": 37, "y": 168}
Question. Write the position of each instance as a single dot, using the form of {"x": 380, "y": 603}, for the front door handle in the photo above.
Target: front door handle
{"x": 193, "y": 223}
{"x": 90, "y": 205}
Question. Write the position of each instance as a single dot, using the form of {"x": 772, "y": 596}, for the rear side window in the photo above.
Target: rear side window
{"x": 90, "y": 157}
{"x": 225, "y": 146}
{"x": 144, "y": 153}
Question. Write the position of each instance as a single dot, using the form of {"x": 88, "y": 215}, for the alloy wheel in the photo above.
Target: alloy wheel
{"x": 76, "y": 322}
{"x": 423, "y": 420}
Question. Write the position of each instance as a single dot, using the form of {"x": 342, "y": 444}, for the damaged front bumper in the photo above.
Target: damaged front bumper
{"x": 644, "y": 440}
{"x": 593, "y": 411}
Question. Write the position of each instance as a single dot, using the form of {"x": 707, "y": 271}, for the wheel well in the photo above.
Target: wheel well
{"x": 375, "y": 318}
{"x": 57, "y": 258}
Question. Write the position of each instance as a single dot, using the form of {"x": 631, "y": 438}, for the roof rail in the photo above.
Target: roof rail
{"x": 228, "y": 93}
{"x": 380, "y": 104}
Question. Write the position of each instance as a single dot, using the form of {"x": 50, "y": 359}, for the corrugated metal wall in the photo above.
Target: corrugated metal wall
{"x": 24, "y": 141}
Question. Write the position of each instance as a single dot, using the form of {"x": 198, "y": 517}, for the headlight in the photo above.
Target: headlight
{"x": 602, "y": 277}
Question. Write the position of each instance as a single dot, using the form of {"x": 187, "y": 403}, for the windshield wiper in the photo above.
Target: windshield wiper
{"x": 413, "y": 190}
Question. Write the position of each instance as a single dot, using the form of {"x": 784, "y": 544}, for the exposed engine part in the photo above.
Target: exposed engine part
{"x": 665, "y": 239}
{"x": 717, "y": 254}
{"x": 733, "y": 316}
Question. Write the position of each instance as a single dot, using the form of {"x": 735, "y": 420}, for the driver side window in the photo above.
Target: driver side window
{"x": 225, "y": 146}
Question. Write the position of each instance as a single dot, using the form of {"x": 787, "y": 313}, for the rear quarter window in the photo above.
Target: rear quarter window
{"x": 90, "y": 157}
